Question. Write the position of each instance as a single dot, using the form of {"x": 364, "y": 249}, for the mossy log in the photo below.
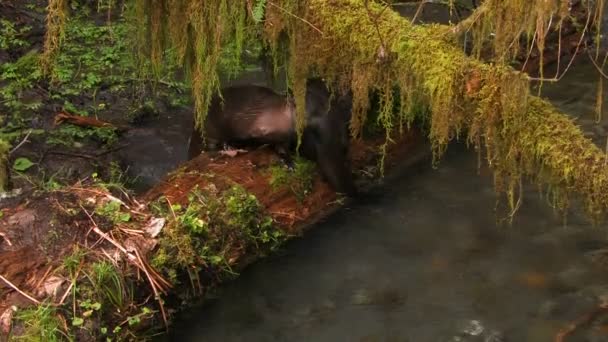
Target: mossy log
{"x": 368, "y": 48}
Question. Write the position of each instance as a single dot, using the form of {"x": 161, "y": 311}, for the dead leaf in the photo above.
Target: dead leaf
{"x": 6, "y": 320}
{"x": 154, "y": 226}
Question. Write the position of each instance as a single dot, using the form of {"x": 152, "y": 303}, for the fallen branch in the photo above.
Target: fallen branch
{"x": 82, "y": 121}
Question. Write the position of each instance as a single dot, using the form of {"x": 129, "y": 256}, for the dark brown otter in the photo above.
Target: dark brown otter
{"x": 253, "y": 115}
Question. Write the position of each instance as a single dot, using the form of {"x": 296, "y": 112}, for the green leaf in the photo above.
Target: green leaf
{"x": 124, "y": 217}
{"x": 77, "y": 321}
{"x": 22, "y": 164}
{"x": 258, "y": 11}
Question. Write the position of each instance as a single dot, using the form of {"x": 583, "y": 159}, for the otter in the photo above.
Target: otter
{"x": 245, "y": 115}
{"x": 250, "y": 115}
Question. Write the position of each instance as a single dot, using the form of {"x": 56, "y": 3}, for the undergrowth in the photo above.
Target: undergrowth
{"x": 299, "y": 181}
{"x": 211, "y": 231}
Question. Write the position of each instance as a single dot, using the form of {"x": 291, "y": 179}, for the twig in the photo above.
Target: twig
{"x": 68, "y": 154}
{"x": 21, "y": 143}
{"x": 466, "y": 24}
{"x": 36, "y": 301}
{"x": 156, "y": 282}
{"x": 374, "y": 19}
{"x": 419, "y": 10}
{"x": 6, "y": 239}
{"x": 86, "y": 156}
{"x": 67, "y": 292}
{"x": 43, "y": 277}
{"x": 599, "y": 69}
{"x": 105, "y": 235}
{"x": 157, "y": 295}
{"x": 578, "y": 46}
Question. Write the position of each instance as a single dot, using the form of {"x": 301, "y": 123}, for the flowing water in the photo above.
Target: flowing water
{"x": 424, "y": 259}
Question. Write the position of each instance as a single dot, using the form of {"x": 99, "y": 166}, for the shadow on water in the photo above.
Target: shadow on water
{"x": 423, "y": 259}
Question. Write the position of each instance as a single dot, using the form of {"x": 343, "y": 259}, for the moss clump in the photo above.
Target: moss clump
{"x": 299, "y": 181}
{"x": 211, "y": 231}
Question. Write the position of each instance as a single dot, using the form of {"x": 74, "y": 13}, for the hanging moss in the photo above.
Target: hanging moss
{"x": 195, "y": 31}
{"x": 371, "y": 50}
{"x": 359, "y": 45}
{"x": 55, "y": 23}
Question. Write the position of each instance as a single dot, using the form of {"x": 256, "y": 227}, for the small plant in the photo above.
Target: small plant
{"x": 71, "y": 135}
{"x": 111, "y": 210}
{"x": 89, "y": 308}
{"x": 203, "y": 233}
{"x": 41, "y": 323}
{"x": 42, "y": 182}
{"x": 109, "y": 283}
{"x": 18, "y": 77}
{"x": 10, "y": 36}
{"x": 22, "y": 164}
{"x": 136, "y": 319}
{"x": 300, "y": 181}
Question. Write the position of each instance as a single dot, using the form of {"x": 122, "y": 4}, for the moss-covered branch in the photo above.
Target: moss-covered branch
{"x": 365, "y": 47}
{"x": 369, "y": 49}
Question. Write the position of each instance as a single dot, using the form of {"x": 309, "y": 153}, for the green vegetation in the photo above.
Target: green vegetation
{"x": 93, "y": 65}
{"x": 111, "y": 211}
{"x": 299, "y": 181}
{"x": 212, "y": 229}
{"x": 41, "y": 323}
{"x": 18, "y": 78}
{"x": 11, "y": 36}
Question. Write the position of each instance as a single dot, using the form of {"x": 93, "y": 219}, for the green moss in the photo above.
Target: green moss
{"x": 299, "y": 181}
{"x": 204, "y": 234}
